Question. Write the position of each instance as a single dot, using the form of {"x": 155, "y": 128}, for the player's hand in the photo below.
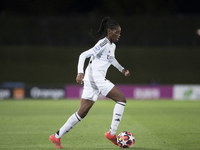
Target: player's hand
{"x": 79, "y": 78}
{"x": 126, "y": 72}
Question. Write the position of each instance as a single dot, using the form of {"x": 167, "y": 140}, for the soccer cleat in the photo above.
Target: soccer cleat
{"x": 110, "y": 137}
{"x": 56, "y": 141}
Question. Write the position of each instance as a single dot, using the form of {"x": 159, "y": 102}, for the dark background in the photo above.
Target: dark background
{"x": 99, "y": 7}
{"x": 40, "y": 41}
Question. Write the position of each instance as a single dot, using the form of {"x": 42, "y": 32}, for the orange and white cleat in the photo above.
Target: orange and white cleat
{"x": 110, "y": 137}
{"x": 56, "y": 141}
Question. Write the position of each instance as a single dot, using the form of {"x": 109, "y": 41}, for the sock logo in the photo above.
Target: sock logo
{"x": 117, "y": 119}
{"x": 118, "y": 114}
{"x": 68, "y": 130}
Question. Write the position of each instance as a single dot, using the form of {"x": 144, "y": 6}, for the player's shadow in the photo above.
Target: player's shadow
{"x": 135, "y": 148}
{"x": 142, "y": 148}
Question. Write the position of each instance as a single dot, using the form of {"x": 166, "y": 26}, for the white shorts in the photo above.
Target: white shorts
{"x": 91, "y": 89}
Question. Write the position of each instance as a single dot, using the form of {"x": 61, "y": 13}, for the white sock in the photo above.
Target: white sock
{"x": 71, "y": 122}
{"x": 117, "y": 115}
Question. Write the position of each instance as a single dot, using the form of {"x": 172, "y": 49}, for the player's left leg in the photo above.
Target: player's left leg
{"x": 116, "y": 95}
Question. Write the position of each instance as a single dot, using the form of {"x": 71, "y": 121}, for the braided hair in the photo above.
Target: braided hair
{"x": 106, "y": 23}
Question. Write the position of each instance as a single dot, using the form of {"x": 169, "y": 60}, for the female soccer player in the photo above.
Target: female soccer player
{"x": 102, "y": 55}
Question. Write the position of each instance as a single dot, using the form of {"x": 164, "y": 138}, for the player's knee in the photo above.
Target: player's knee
{"x": 122, "y": 99}
{"x": 82, "y": 114}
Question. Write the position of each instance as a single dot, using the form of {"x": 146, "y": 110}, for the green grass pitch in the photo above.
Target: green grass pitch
{"x": 156, "y": 124}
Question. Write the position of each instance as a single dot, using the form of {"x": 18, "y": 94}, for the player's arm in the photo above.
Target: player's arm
{"x": 116, "y": 64}
{"x": 81, "y": 62}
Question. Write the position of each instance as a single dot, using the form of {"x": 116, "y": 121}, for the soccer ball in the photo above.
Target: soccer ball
{"x": 125, "y": 139}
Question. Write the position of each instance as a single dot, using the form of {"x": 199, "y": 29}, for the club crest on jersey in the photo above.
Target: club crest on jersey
{"x": 109, "y": 57}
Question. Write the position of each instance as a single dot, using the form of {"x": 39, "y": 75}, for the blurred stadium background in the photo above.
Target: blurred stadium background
{"x": 40, "y": 42}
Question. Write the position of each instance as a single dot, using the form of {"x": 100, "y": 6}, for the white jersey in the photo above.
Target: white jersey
{"x": 102, "y": 55}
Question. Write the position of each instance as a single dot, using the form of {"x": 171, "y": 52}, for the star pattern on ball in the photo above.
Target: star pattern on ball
{"x": 125, "y": 139}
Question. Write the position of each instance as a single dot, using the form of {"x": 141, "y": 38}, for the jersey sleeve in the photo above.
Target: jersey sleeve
{"x": 116, "y": 64}
{"x": 99, "y": 47}
{"x": 96, "y": 51}
{"x": 82, "y": 57}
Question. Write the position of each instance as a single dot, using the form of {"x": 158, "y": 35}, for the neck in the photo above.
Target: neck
{"x": 109, "y": 39}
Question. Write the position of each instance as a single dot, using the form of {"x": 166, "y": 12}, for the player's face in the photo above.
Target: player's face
{"x": 114, "y": 35}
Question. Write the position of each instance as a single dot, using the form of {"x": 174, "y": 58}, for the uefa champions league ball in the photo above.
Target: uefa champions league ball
{"x": 125, "y": 139}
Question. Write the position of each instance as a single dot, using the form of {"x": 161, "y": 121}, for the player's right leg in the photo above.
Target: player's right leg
{"x": 72, "y": 121}
{"x": 56, "y": 141}
{"x": 84, "y": 107}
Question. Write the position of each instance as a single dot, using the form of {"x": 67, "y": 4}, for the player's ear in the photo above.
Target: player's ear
{"x": 109, "y": 30}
